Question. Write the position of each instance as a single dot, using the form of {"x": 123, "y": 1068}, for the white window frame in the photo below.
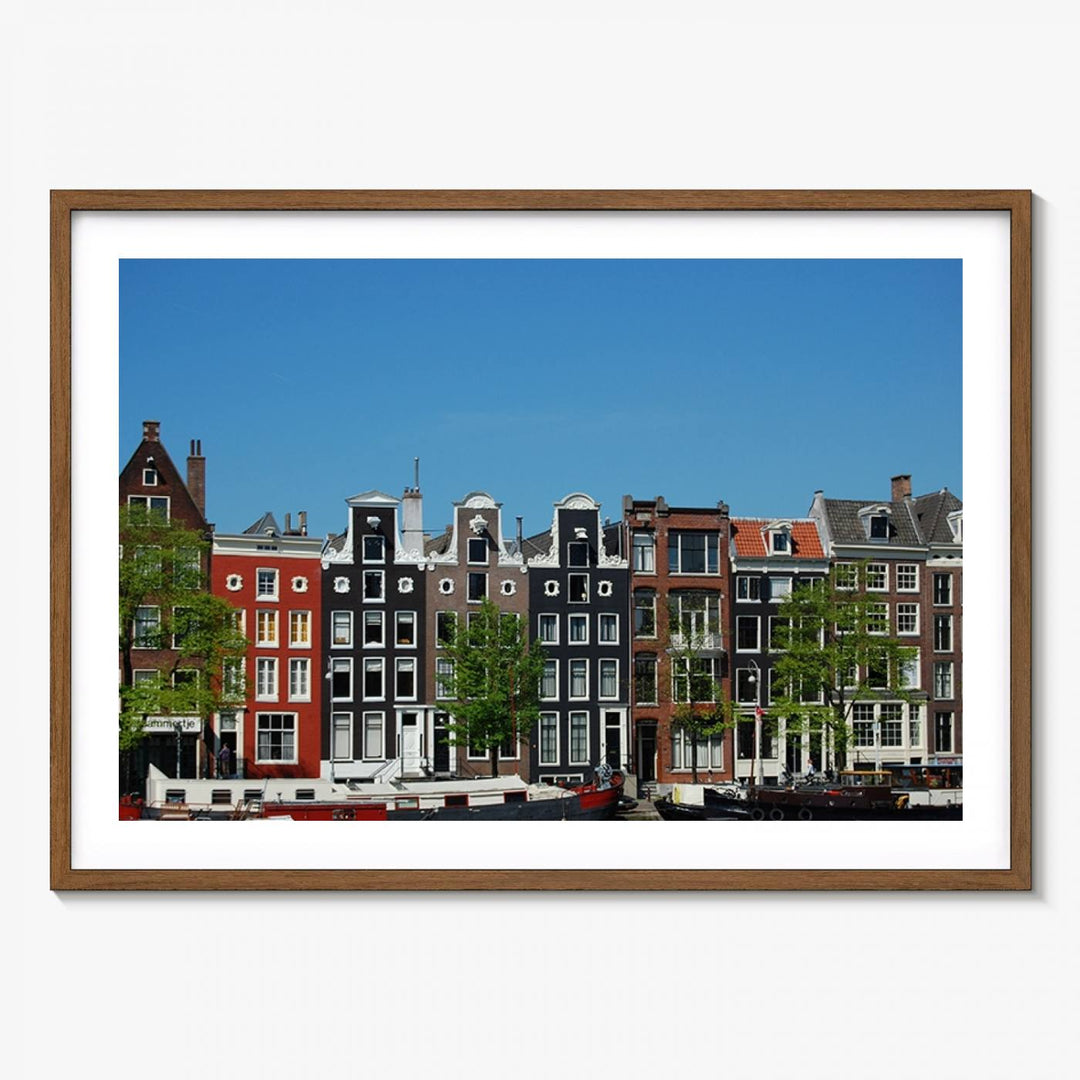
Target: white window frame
{"x": 149, "y": 476}
{"x": 580, "y": 664}
{"x": 381, "y": 643}
{"x": 439, "y": 615}
{"x": 951, "y": 668}
{"x": 569, "y": 580}
{"x": 756, "y": 619}
{"x": 901, "y": 614}
{"x": 373, "y": 574}
{"x": 773, "y": 594}
{"x": 600, "y": 695}
{"x": 900, "y": 567}
{"x": 614, "y": 621}
{"x": 270, "y": 617}
{"x": 233, "y": 676}
{"x": 913, "y": 666}
{"x": 881, "y": 619}
{"x": 554, "y": 760}
{"x": 299, "y": 664}
{"x": 952, "y": 633}
{"x": 380, "y": 727}
{"x": 468, "y": 586}
{"x": 577, "y": 619}
{"x": 380, "y": 661}
{"x": 364, "y": 560}
{"x": 742, "y": 584}
{"x": 334, "y": 729}
{"x": 554, "y": 621}
{"x": 342, "y": 663}
{"x": 846, "y": 575}
{"x": 674, "y": 539}
{"x": 570, "y": 737}
{"x": 776, "y": 534}
{"x": 444, "y": 669}
{"x": 260, "y": 596}
{"x": 951, "y": 714}
{"x": 266, "y": 688}
{"x": 347, "y": 644}
{"x": 295, "y": 741}
{"x": 933, "y": 589}
{"x": 405, "y": 663}
{"x": 874, "y": 571}
{"x": 305, "y": 621}
{"x": 639, "y": 548}
{"x": 135, "y": 500}
{"x": 555, "y": 667}
{"x": 415, "y": 624}
{"x": 156, "y": 633}
{"x": 470, "y": 561}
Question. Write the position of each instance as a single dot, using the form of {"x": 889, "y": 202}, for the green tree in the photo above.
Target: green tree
{"x": 494, "y": 687}
{"x": 833, "y": 647}
{"x": 165, "y": 605}
{"x": 692, "y": 643}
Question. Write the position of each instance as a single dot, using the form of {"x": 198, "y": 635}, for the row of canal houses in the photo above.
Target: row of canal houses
{"x": 346, "y": 674}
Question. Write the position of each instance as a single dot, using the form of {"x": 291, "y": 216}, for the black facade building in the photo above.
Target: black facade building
{"x": 579, "y": 583}
{"x": 376, "y": 724}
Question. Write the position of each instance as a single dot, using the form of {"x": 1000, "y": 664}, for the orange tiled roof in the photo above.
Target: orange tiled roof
{"x": 749, "y": 542}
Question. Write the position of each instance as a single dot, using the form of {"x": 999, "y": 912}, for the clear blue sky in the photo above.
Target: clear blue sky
{"x": 755, "y": 382}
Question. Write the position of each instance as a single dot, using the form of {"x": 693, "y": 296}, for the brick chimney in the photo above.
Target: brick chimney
{"x": 901, "y": 487}
{"x": 196, "y": 475}
{"x": 151, "y": 430}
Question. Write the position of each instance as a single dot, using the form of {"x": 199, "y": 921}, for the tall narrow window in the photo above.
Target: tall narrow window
{"x": 374, "y": 585}
{"x": 266, "y": 678}
{"x": 445, "y": 626}
{"x": 373, "y": 736}
{"x": 579, "y": 738}
{"x": 299, "y": 679}
{"x": 341, "y": 723}
{"x": 579, "y": 678}
{"x": 405, "y": 679}
{"x": 300, "y": 629}
{"x": 943, "y": 680}
{"x": 341, "y": 679}
{"x": 147, "y": 628}
{"x": 644, "y": 549}
{"x": 943, "y": 732}
{"x": 548, "y": 629}
{"x": 405, "y": 632}
{"x": 578, "y": 589}
{"x": 644, "y": 613}
{"x": 943, "y": 633}
{"x": 341, "y": 628}
{"x": 943, "y": 589}
{"x": 579, "y": 629}
{"x": 374, "y": 549}
{"x": 609, "y": 628}
{"x": 478, "y": 551}
{"x": 549, "y": 680}
{"x": 373, "y": 628}
{"x": 266, "y": 628}
{"x": 549, "y": 738}
{"x": 609, "y": 679}
{"x": 373, "y": 679}
{"x": 477, "y": 587}
{"x": 645, "y": 679}
{"x": 444, "y": 678}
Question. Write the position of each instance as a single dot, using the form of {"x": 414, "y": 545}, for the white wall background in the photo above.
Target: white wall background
{"x": 233, "y": 93}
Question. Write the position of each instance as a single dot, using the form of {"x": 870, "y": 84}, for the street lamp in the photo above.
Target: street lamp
{"x": 754, "y": 678}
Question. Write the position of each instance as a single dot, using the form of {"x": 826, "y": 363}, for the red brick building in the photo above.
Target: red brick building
{"x": 151, "y": 480}
{"x": 272, "y": 578}
{"x": 679, "y": 572}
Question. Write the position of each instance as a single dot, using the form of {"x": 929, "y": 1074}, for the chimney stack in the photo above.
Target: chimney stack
{"x": 520, "y": 538}
{"x": 302, "y": 518}
{"x": 151, "y": 430}
{"x": 196, "y": 475}
{"x": 288, "y": 524}
{"x": 412, "y": 522}
{"x": 901, "y": 487}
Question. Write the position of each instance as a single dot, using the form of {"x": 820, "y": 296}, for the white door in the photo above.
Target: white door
{"x": 411, "y": 742}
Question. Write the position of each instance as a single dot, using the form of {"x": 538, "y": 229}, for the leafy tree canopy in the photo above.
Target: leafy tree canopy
{"x": 494, "y": 688}
{"x": 165, "y": 608}
{"x": 832, "y": 646}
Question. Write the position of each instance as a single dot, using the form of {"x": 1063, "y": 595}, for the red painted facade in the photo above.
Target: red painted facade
{"x": 274, "y": 579}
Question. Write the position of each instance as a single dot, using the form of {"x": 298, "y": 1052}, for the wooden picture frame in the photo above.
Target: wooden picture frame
{"x": 1017, "y": 876}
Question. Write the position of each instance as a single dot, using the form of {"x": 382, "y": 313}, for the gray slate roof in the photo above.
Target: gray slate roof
{"x": 262, "y": 525}
{"x": 846, "y": 526}
{"x": 932, "y": 513}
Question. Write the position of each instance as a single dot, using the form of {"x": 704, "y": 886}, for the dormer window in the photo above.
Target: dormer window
{"x": 875, "y": 521}
{"x": 781, "y": 543}
{"x": 956, "y": 525}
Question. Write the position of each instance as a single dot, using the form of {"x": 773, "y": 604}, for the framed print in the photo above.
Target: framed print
{"x": 809, "y": 396}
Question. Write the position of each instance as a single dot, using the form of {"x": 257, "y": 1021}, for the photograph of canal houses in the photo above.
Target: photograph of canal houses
{"x": 473, "y": 608}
